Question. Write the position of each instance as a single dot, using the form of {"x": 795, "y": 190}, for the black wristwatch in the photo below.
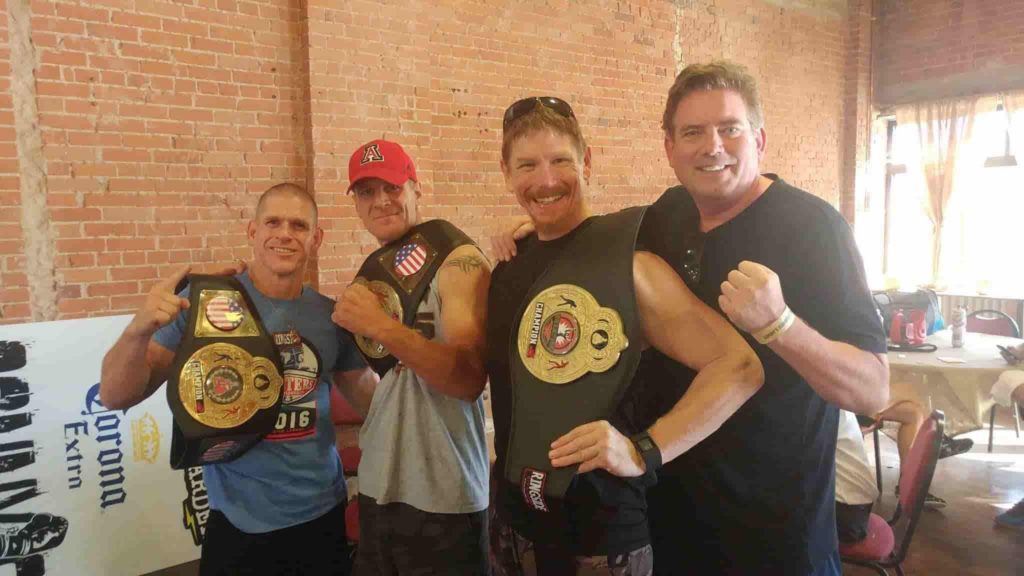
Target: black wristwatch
{"x": 649, "y": 451}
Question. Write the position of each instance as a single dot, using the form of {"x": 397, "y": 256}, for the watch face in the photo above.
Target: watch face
{"x": 645, "y": 444}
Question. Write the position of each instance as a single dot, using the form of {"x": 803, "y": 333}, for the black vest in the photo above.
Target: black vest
{"x": 599, "y": 261}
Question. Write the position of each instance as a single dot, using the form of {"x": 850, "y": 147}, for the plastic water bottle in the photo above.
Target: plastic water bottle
{"x": 959, "y": 323}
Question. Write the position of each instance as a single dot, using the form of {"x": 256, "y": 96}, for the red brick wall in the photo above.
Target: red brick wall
{"x": 163, "y": 120}
{"x": 929, "y": 49}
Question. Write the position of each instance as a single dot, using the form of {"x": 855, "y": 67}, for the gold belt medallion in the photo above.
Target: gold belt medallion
{"x": 223, "y": 386}
{"x": 564, "y": 333}
{"x": 391, "y": 304}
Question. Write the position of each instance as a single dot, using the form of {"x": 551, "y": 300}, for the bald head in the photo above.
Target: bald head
{"x": 286, "y": 189}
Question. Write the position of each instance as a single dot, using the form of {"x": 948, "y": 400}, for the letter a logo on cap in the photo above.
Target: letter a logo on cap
{"x": 371, "y": 154}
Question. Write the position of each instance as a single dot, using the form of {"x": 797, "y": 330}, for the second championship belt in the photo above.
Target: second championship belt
{"x": 225, "y": 385}
{"x": 573, "y": 351}
{"x": 399, "y": 274}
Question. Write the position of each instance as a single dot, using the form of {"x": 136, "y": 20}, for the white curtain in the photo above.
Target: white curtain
{"x": 943, "y": 128}
{"x": 967, "y": 257}
{"x": 1014, "y": 104}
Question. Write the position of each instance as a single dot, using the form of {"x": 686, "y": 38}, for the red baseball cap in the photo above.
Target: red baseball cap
{"x": 381, "y": 159}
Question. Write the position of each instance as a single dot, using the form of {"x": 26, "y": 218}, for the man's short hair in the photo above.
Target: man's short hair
{"x": 541, "y": 118}
{"x": 287, "y": 189}
{"x": 717, "y": 75}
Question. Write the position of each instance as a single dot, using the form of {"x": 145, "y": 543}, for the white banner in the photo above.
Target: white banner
{"x": 85, "y": 490}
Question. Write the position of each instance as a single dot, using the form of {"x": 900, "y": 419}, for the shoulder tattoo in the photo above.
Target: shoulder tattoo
{"x": 466, "y": 264}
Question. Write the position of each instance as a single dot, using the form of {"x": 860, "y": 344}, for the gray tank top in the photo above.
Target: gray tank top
{"x": 421, "y": 447}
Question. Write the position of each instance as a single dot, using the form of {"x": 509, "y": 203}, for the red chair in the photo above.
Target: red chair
{"x": 887, "y": 542}
{"x": 352, "y": 520}
{"x": 992, "y": 322}
{"x": 998, "y": 324}
{"x": 341, "y": 411}
{"x": 342, "y": 414}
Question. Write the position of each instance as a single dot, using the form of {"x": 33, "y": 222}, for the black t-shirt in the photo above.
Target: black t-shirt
{"x": 606, "y": 514}
{"x": 757, "y": 496}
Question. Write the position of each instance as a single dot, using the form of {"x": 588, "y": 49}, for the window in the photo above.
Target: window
{"x": 987, "y": 203}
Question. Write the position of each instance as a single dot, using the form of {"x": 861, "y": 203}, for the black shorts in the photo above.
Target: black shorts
{"x": 852, "y": 522}
{"x": 397, "y": 539}
{"x": 315, "y": 547}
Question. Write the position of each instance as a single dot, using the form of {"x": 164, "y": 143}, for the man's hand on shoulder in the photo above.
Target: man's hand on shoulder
{"x": 503, "y": 240}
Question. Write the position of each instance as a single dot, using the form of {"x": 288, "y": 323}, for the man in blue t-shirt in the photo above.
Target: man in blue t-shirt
{"x": 279, "y": 508}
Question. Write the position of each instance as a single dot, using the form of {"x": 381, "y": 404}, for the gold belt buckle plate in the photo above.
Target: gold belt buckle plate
{"x": 564, "y": 334}
{"x": 222, "y": 385}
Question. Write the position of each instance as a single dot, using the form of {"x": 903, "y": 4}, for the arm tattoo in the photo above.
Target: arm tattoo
{"x": 465, "y": 263}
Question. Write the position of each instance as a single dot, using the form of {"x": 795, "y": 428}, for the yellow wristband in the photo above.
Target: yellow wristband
{"x": 776, "y": 328}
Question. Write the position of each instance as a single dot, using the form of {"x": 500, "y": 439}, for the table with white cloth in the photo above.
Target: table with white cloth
{"x": 960, "y": 389}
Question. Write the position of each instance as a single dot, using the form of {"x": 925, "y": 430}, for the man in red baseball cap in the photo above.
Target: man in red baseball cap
{"x": 417, "y": 310}
{"x": 383, "y": 166}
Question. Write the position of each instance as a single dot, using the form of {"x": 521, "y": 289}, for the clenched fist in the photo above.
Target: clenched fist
{"x": 360, "y": 311}
{"x": 752, "y": 297}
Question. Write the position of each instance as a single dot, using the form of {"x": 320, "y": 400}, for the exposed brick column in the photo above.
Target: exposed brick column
{"x": 37, "y": 233}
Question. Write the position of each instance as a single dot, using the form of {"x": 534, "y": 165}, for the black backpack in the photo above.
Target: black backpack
{"x": 889, "y": 301}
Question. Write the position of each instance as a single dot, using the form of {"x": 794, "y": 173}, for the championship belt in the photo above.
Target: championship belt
{"x": 573, "y": 352}
{"x": 224, "y": 389}
{"x": 399, "y": 273}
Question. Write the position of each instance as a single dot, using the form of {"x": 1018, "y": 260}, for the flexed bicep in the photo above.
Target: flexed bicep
{"x": 674, "y": 320}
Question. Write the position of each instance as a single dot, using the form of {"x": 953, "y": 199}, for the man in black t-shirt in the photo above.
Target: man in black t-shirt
{"x": 757, "y": 497}
{"x": 599, "y": 527}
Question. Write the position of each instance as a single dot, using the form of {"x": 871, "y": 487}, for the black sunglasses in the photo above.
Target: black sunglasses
{"x": 693, "y": 240}
{"x": 522, "y": 107}
{"x": 691, "y": 266}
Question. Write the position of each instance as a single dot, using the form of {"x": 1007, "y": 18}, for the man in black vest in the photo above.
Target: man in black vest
{"x": 566, "y": 321}
{"x": 423, "y": 471}
{"x": 757, "y": 497}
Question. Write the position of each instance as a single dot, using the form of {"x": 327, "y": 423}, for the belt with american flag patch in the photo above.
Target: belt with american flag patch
{"x": 225, "y": 384}
{"x": 400, "y": 273}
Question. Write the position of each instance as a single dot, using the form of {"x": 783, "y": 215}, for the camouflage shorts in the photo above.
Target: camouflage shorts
{"x": 513, "y": 555}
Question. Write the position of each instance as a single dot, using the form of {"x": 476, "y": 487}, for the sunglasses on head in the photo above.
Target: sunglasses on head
{"x": 522, "y": 107}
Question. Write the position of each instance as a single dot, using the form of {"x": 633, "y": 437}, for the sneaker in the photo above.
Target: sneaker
{"x": 930, "y": 500}
{"x": 934, "y": 502}
{"x": 1012, "y": 518}
{"x": 954, "y": 446}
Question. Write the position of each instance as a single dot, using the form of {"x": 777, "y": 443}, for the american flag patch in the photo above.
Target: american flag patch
{"x": 409, "y": 259}
{"x": 224, "y": 313}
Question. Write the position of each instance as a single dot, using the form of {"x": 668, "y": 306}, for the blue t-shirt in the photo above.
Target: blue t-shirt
{"x": 294, "y": 475}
